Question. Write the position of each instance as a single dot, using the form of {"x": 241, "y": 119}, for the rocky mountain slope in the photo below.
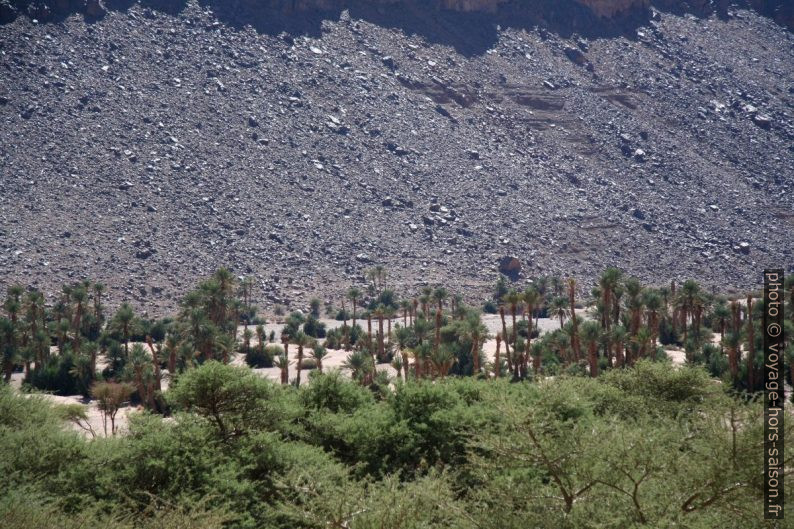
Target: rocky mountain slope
{"x": 145, "y": 144}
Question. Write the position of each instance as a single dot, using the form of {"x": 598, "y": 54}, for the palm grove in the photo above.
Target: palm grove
{"x": 586, "y": 424}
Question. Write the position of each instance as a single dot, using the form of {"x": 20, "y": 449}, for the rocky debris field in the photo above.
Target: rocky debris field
{"x": 145, "y": 148}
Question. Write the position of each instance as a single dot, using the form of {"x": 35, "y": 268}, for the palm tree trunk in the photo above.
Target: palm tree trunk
{"x": 475, "y": 356}
{"x": 497, "y": 359}
{"x": 381, "y": 347}
{"x": 505, "y": 338}
{"x": 299, "y": 367}
{"x": 750, "y": 346}
{"x": 593, "y": 350}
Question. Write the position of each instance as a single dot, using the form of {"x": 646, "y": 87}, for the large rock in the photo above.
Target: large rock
{"x": 510, "y": 267}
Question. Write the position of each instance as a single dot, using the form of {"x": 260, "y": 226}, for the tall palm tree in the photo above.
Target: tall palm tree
{"x": 260, "y": 338}
{"x": 558, "y": 308}
{"x": 574, "y": 320}
{"x": 618, "y": 340}
{"x": 442, "y": 360}
{"x": 99, "y": 289}
{"x": 225, "y": 345}
{"x": 405, "y": 306}
{"x": 424, "y": 300}
{"x": 478, "y": 333}
{"x": 124, "y": 318}
{"x": 354, "y": 294}
{"x": 403, "y": 335}
{"x": 653, "y": 305}
{"x": 591, "y": 335}
{"x": 300, "y": 339}
{"x": 35, "y": 311}
{"x": 389, "y": 312}
{"x": 318, "y": 354}
{"x": 282, "y": 362}
{"x": 687, "y": 300}
{"x": 750, "y": 345}
{"x": 439, "y": 295}
{"x": 8, "y": 348}
{"x": 562, "y": 341}
{"x": 379, "y": 313}
{"x": 733, "y": 342}
{"x": 497, "y": 365}
{"x": 720, "y": 315}
{"x": 360, "y": 365}
{"x": 512, "y": 299}
{"x": 608, "y": 283}
{"x": 641, "y": 339}
{"x": 505, "y": 337}
{"x": 438, "y": 330}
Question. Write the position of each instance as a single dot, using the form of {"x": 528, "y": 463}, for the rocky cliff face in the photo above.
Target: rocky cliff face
{"x": 782, "y": 11}
{"x": 148, "y": 146}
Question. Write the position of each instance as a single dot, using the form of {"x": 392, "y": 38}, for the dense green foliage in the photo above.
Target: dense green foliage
{"x": 648, "y": 446}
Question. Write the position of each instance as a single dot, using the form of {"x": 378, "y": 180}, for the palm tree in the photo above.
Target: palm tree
{"x": 558, "y": 308}
{"x": 442, "y": 360}
{"x": 457, "y": 304}
{"x": 537, "y": 353}
{"x": 591, "y": 335}
{"x": 563, "y": 343}
{"x": 246, "y": 288}
{"x": 318, "y": 353}
{"x": 512, "y": 299}
{"x": 300, "y": 339}
{"x": 405, "y": 305}
{"x": 439, "y": 295}
{"x": 99, "y": 289}
{"x": 556, "y": 285}
{"x": 438, "y": 331}
{"x": 505, "y": 337}
{"x": 354, "y": 294}
{"x": 124, "y": 317}
{"x": 360, "y": 365}
{"x": 733, "y": 342}
{"x": 750, "y": 345}
{"x": 424, "y": 300}
{"x": 653, "y": 305}
{"x": 608, "y": 283}
{"x": 497, "y": 360}
{"x": 260, "y": 338}
{"x": 8, "y": 348}
{"x": 687, "y": 300}
{"x": 282, "y": 362}
{"x": 478, "y": 333}
{"x": 422, "y": 360}
{"x": 720, "y": 315}
{"x": 225, "y": 345}
{"x": 139, "y": 362}
{"x": 618, "y": 339}
{"x": 247, "y": 335}
{"x": 574, "y": 321}
{"x": 403, "y": 335}
{"x": 641, "y": 340}
{"x": 379, "y": 313}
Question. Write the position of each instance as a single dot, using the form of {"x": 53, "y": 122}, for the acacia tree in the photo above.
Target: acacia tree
{"x": 110, "y": 396}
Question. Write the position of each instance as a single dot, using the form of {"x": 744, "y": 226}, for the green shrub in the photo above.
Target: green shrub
{"x": 259, "y": 358}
